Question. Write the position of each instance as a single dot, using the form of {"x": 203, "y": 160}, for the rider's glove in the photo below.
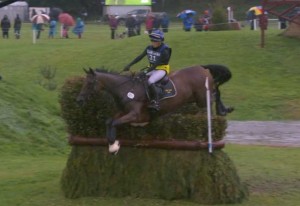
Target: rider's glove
{"x": 126, "y": 68}
{"x": 145, "y": 71}
{"x": 150, "y": 69}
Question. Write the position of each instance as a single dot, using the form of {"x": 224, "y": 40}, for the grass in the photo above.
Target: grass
{"x": 33, "y": 148}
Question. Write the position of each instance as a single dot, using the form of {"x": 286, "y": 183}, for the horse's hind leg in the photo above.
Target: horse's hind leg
{"x": 221, "y": 109}
{"x": 201, "y": 103}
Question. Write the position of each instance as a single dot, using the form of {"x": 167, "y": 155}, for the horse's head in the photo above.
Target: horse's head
{"x": 89, "y": 86}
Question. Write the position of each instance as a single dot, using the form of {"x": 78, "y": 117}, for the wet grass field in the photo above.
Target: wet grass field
{"x": 33, "y": 145}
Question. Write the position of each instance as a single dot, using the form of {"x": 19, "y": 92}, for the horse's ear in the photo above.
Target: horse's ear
{"x": 91, "y": 71}
{"x": 86, "y": 71}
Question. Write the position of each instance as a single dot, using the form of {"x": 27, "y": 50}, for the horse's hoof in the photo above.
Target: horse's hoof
{"x": 222, "y": 113}
{"x": 230, "y": 109}
{"x": 114, "y": 148}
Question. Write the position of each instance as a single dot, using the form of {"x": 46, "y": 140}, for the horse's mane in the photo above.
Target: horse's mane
{"x": 104, "y": 70}
{"x": 107, "y": 71}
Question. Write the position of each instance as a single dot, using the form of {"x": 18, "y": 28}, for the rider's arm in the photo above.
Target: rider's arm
{"x": 138, "y": 58}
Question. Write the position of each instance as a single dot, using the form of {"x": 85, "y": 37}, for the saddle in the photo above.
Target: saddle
{"x": 165, "y": 88}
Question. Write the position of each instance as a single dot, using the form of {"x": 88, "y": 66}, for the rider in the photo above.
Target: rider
{"x": 158, "y": 54}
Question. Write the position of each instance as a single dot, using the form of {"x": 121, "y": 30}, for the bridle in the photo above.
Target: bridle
{"x": 124, "y": 99}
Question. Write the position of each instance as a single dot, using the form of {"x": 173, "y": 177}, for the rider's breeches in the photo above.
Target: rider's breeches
{"x": 156, "y": 75}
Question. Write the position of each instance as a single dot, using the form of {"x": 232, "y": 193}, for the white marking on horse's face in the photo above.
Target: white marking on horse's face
{"x": 139, "y": 124}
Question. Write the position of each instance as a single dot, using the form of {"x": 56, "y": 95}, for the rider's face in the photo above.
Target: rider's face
{"x": 155, "y": 44}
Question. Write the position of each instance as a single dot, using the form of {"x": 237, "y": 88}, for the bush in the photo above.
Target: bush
{"x": 219, "y": 20}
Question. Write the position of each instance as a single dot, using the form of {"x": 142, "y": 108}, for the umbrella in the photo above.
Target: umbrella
{"x": 185, "y": 13}
{"x": 257, "y": 10}
{"x": 66, "y": 19}
{"x": 40, "y": 18}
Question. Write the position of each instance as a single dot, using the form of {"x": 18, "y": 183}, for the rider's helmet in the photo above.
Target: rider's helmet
{"x": 157, "y": 35}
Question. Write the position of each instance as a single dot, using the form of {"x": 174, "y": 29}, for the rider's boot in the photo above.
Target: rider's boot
{"x": 114, "y": 148}
{"x": 154, "y": 104}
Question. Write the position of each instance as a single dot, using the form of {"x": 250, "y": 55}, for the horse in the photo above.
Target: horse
{"x": 189, "y": 86}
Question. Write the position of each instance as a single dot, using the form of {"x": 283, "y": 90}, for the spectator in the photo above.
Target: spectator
{"x": 206, "y": 17}
{"x": 282, "y": 22}
{"x": 79, "y": 27}
{"x": 156, "y": 23}
{"x": 65, "y": 33}
{"x": 39, "y": 29}
{"x": 17, "y": 26}
{"x": 138, "y": 21}
{"x": 251, "y": 17}
{"x": 113, "y": 24}
{"x": 199, "y": 24}
{"x": 33, "y": 13}
{"x": 130, "y": 25}
{"x": 52, "y": 28}
{"x": 188, "y": 22}
{"x": 165, "y": 23}
{"x": 206, "y": 20}
{"x": 5, "y": 26}
{"x": 149, "y": 23}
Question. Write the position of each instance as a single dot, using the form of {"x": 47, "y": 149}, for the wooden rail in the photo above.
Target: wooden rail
{"x": 170, "y": 144}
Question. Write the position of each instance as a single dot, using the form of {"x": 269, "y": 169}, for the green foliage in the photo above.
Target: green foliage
{"x": 88, "y": 120}
{"x": 144, "y": 173}
{"x": 48, "y": 74}
{"x": 219, "y": 18}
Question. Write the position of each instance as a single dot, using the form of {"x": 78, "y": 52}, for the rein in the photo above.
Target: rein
{"x": 124, "y": 99}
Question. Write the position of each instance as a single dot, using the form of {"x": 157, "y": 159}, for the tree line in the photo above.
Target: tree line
{"x": 94, "y": 8}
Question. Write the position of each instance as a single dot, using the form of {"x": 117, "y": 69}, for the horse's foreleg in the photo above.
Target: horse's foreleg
{"x": 109, "y": 135}
{"x": 111, "y": 124}
{"x": 114, "y": 145}
{"x": 128, "y": 118}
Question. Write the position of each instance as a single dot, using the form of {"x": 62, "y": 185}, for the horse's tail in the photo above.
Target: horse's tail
{"x": 220, "y": 73}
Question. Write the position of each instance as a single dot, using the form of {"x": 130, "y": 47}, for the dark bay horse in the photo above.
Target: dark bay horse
{"x": 132, "y": 98}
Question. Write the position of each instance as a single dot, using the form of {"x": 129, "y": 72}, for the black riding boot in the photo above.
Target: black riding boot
{"x": 154, "y": 104}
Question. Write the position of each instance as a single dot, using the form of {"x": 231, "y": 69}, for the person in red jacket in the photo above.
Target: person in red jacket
{"x": 113, "y": 24}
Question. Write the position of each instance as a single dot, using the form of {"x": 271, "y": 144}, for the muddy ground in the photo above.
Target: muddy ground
{"x": 272, "y": 133}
